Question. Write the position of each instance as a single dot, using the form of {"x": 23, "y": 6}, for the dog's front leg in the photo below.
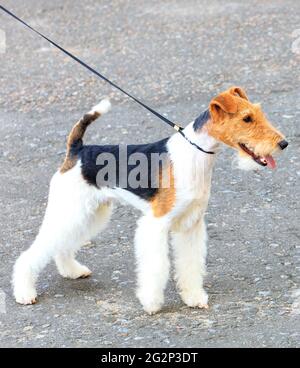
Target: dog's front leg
{"x": 151, "y": 248}
{"x": 189, "y": 247}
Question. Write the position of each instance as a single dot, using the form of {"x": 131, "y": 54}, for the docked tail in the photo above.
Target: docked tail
{"x": 75, "y": 137}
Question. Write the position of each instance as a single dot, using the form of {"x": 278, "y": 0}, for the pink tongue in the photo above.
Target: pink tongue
{"x": 270, "y": 161}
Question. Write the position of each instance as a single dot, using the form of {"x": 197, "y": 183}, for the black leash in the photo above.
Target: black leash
{"x": 177, "y": 127}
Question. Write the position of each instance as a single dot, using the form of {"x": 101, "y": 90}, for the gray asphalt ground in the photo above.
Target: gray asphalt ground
{"x": 175, "y": 55}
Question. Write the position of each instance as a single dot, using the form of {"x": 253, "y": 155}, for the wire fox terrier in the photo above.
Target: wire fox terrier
{"x": 80, "y": 199}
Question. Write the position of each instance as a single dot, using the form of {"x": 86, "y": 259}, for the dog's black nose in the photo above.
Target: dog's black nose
{"x": 283, "y": 144}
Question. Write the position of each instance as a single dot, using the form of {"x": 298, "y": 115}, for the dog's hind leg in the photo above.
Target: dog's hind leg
{"x": 65, "y": 258}
{"x": 28, "y": 266}
{"x": 33, "y": 261}
{"x": 69, "y": 268}
{"x": 71, "y": 218}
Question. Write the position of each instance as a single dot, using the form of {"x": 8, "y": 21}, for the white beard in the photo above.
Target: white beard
{"x": 246, "y": 163}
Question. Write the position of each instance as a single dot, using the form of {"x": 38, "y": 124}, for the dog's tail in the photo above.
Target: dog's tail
{"x": 74, "y": 142}
{"x": 77, "y": 133}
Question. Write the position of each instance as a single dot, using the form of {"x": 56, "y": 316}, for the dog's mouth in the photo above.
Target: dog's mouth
{"x": 261, "y": 160}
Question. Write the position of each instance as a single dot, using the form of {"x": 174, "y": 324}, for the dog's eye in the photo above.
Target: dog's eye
{"x": 248, "y": 119}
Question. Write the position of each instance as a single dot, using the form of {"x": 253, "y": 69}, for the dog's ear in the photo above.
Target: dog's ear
{"x": 239, "y": 92}
{"x": 223, "y": 103}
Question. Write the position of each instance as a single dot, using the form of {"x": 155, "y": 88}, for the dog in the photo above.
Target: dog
{"x": 80, "y": 200}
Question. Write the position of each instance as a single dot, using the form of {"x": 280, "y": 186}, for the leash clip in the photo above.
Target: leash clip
{"x": 177, "y": 127}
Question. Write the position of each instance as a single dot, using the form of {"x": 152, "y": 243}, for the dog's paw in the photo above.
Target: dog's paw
{"x": 152, "y": 307}
{"x": 84, "y": 273}
{"x": 77, "y": 271}
{"x": 26, "y": 297}
{"x": 197, "y": 298}
{"x": 151, "y": 304}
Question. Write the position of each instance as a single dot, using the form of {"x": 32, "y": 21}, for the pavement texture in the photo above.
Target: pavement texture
{"x": 175, "y": 55}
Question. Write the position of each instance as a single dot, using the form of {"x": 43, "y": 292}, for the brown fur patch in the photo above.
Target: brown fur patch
{"x": 164, "y": 200}
{"x": 76, "y": 134}
{"x": 68, "y": 163}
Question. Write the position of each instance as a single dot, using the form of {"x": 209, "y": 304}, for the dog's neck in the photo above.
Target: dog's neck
{"x": 197, "y": 132}
{"x": 193, "y": 168}
{"x": 187, "y": 159}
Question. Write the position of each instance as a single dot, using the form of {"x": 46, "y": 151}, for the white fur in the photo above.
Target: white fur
{"x": 151, "y": 249}
{"x": 246, "y": 163}
{"x": 190, "y": 255}
{"x": 77, "y": 211}
{"x": 126, "y": 197}
{"x": 103, "y": 107}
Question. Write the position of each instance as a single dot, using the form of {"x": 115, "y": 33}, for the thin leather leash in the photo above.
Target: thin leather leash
{"x": 177, "y": 127}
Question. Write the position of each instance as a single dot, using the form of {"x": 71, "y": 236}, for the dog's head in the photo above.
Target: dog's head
{"x": 243, "y": 126}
